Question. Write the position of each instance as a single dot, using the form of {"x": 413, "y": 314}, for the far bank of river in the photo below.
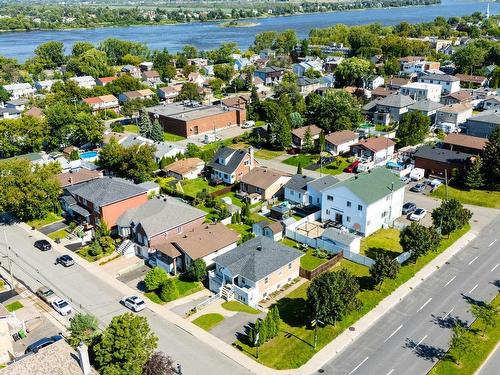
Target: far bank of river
{"x": 210, "y": 35}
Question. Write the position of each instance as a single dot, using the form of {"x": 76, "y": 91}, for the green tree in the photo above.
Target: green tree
{"x": 450, "y": 216}
{"x": 216, "y": 85}
{"x": 312, "y": 73}
{"x": 197, "y": 270}
{"x": 155, "y": 278}
{"x": 145, "y": 124}
{"x": 138, "y": 163}
{"x": 473, "y": 176}
{"x": 157, "y": 131}
{"x": 337, "y": 110}
{"x": 308, "y": 143}
{"x": 461, "y": 343}
{"x": 168, "y": 290}
{"x": 116, "y": 49}
{"x": 282, "y": 132}
{"x": 87, "y": 129}
{"x": 124, "y": 83}
{"x": 384, "y": 268}
{"x": 95, "y": 249}
{"x": 4, "y": 95}
{"x": 469, "y": 58}
{"x": 296, "y": 120}
{"x": 419, "y": 240}
{"x": 351, "y": 71}
{"x": 83, "y": 328}
{"x": 111, "y": 155}
{"x": 486, "y": 314}
{"x": 224, "y": 72}
{"x": 50, "y": 54}
{"x": 92, "y": 62}
{"x": 412, "y": 129}
{"x": 491, "y": 161}
{"x": 22, "y": 135}
{"x": 189, "y": 91}
{"x": 125, "y": 346}
{"x": 299, "y": 168}
{"x": 321, "y": 141}
{"x": 80, "y": 47}
{"x": 391, "y": 67}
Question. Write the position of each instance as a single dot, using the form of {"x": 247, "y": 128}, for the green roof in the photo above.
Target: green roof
{"x": 372, "y": 186}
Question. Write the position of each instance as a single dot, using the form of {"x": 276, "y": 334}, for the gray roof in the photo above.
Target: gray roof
{"x": 159, "y": 215}
{"x": 257, "y": 258}
{"x": 9, "y": 110}
{"x": 442, "y": 155}
{"x": 396, "y": 100}
{"x": 269, "y": 69}
{"x": 336, "y": 235}
{"x": 104, "y": 191}
{"x": 323, "y": 183}
{"x": 489, "y": 117}
{"x": 305, "y": 81}
{"x": 440, "y": 77}
{"x": 234, "y": 160}
{"x": 425, "y": 105}
{"x": 298, "y": 182}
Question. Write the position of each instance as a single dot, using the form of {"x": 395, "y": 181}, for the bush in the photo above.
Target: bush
{"x": 155, "y": 277}
{"x": 95, "y": 249}
{"x": 197, "y": 271}
{"x": 117, "y": 127}
{"x": 168, "y": 290}
{"x": 107, "y": 244}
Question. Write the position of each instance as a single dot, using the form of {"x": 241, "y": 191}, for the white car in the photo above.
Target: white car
{"x": 62, "y": 307}
{"x": 134, "y": 303}
{"x": 418, "y": 214}
{"x": 248, "y": 124}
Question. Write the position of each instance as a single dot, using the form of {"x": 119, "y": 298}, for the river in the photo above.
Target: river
{"x": 209, "y": 35}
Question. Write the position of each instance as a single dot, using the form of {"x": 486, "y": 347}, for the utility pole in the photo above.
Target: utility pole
{"x": 10, "y": 260}
{"x": 446, "y": 182}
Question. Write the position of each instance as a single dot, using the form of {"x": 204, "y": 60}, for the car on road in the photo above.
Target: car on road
{"x": 248, "y": 124}
{"x": 408, "y": 208}
{"x": 43, "y": 245}
{"x": 62, "y": 306}
{"x": 46, "y": 294}
{"x": 42, "y": 343}
{"x": 65, "y": 260}
{"x": 351, "y": 168}
{"x": 418, "y": 188}
{"x": 134, "y": 303}
{"x": 418, "y": 214}
{"x": 405, "y": 180}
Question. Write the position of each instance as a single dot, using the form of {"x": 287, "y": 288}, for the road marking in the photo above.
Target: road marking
{"x": 453, "y": 278}
{"x": 494, "y": 268}
{"x": 421, "y": 307}
{"x": 390, "y": 372}
{"x": 392, "y": 334}
{"x": 470, "y": 291}
{"x": 358, "y": 366}
{"x": 473, "y": 260}
{"x": 423, "y": 338}
{"x": 491, "y": 244}
{"x": 449, "y": 312}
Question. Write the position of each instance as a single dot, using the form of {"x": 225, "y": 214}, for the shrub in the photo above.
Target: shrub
{"x": 197, "y": 271}
{"x": 168, "y": 290}
{"x": 155, "y": 277}
{"x": 95, "y": 249}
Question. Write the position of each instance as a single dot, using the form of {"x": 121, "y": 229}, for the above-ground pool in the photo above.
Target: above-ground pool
{"x": 88, "y": 155}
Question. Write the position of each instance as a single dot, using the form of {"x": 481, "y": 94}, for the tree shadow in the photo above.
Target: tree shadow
{"x": 472, "y": 301}
{"x": 371, "y": 252}
{"x": 366, "y": 283}
{"x": 427, "y": 352}
{"x": 449, "y": 322}
{"x": 141, "y": 285}
{"x": 293, "y": 311}
{"x": 496, "y": 283}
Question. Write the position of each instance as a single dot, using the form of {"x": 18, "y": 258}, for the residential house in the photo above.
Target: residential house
{"x": 84, "y": 82}
{"x": 462, "y": 96}
{"x": 75, "y": 177}
{"x": 389, "y": 109}
{"x": 266, "y": 182}
{"x": 366, "y": 202}
{"x": 298, "y": 135}
{"x": 407, "y": 64}
{"x": 238, "y": 101}
{"x": 118, "y": 137}
{"x": 7, "y": 113}
{"x": 196, "y": 78}
{"x": 381, "y": 92}
{"x": 295, "y": 190}
{"x": 19, "y": 90}
{"x": 396, "y": 83}
{"x": 339, "y": 142}
{"x": 267, "y": 54}
{"x": 302, "y": 67}
{"x": 146, "y": 66}
{"x": 377, "y": 149}
{"x": 450, "y": 117}
{"x": 336, "y": 48}
{"x": 308, "y": 85}
{"x": 136, "y": 94}
{"x": 19, "y": 104}
{"x": 45, "y": 85}
{"x": 158, "y": 220}
{"x": 241, "y": 63}
{"x": 464, "y": 143}
{"x": 327, "y": 81}
{"x": 151, "y": 76}
{"x": 167, "y": 93}
{"x": 253, "y": 270}
{"x": 132, "y": 70}
{"x": 426, "y": 107}
{"x": 491, "y": 103}
{"x": 482, "y": 125}
{"x": 102, "y": 199}
{"x": 230, "y": 165}
{"x": 330, "y": 64}
{"x": 421, "y": 91}
{"x": 374, "y": 82}
{"x": 270, "y": 75}
{"x": 471, "y": 81}
{"x": 187, "y": 169}
{"x": 103, "y": 102}
{"x": 449, "y": 84}
{"x": 103, "y": 81}
{"x": 206, "y": 241}
{"x": 163, "y": 149}
{"x": 272, "y": 230}
{"x": 440, "y": 161}
{"x": 316, "y": 187}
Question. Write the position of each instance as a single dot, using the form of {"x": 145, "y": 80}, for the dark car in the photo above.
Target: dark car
{"x": 418, "y": 188}
{"x": 409, "y": 207}
{"x": 43, "y": 245}
{"x": 42, "y": 343}
{"x": 65, "y": 260}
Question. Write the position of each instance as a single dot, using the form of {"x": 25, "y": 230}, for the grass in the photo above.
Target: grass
{"x": 242, "y": 229}
{"x": 185, "y": 288}
{"x": 16, "y": 305}
{"x": 169, "y": 137}
{"x": 335, "y": 168}
{"x": 310, "y": 262}
{"x": 131, "y": 128}
{"x": 238, "y": 306}
{"x": 260, "y": 123}
{"x": 234, "y": 200}
{"x": 153, "y": 297}
{"x": 294, "y": 344}
{"x": 59, "y": 234}
{"x": 473, "y": 359}
{"x": 267, "y": 154}
{"x": 208, "y": 321}
{"x": 193, "y": 187}
{"x": 303, "y": 159}
{"x": 84, "y": 253}
{"x": 385, "y": 241}
{"x": 483, "y": 198}
{"x": 49, "y": 219}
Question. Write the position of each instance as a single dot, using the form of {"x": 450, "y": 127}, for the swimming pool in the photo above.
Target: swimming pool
{"x": 88, "y": 155}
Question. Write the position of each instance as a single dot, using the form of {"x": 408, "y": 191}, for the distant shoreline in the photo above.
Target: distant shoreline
{"x": 235, "y": 23}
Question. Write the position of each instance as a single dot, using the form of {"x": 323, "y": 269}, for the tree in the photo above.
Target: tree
{"x": 391, "y": 67}
{"x": 282, "y": 132}
{"x": 351, "y": 71}
{"x": 111, "y": 155}
{"x": 189, "y": 91}
{"x": 155, "y": 277}
{"x": 296, "y": 120}
{"x": 124, "y": 83}
{"x": 22, "y": 135}
{"x": 197, "y": 270}
{"x": 95, "y": 249}
{"x": 321, "y": 141}
{"x": 491, "y": 161}
{"x": 83, "y": 328}
{"x": 50, "y": 54}
{"x": 419, "y": 240}
{"x": 450, "y": 216}
{"x": 159, "y": 364}
{"x": 308, "y": 144}
{"x": 224, "y": 72}
{"x": 461, "y": 342}
{"x": 312, "y": 73}
{"x": 469, "y": 58}
{"x": 138, "y": 163}
{"x": 337, "y": 110}
{"x": 80, "y": 48}
{"x": 4, "y": 95}
{"x": 145, "y": 125}
{"x": 156, "y": 131}
{"x": 412, "y": 129}
{"x": 87, "y": 129}
{"x": 168, "y": 290}
{"x": 116, "y": 49}
{"x": 125, "y": 346}
{"x": 473, "y": 176}
{"x": 485, "y": 313}
{"x": 299, "y": 168}
{"x": 92, "y": 62}
{"x": 383, "y": 268}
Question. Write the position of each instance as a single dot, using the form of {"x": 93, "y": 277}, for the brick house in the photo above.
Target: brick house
{"x": 230, "y": 165}
{"x": 464, "y": 143}
{"x": 435, "y": 161}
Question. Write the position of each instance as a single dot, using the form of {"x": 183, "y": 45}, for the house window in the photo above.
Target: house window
{"x": 257, "y": 189}
{"x": 348, "y": 204}
{"x": 179, "y": 229}
{"x": 264, "y": 295}
{"x": 299, "y": 195}
{"x": 266, "y": 280}
{"x": 360, "y": 207}
{"x": 291, "y": 192}
{"x": 328, "y": 212}
{"x": 329, "y": 197}
{"x": 384, "y": 214}
{"x": 348, "y": 219}
{"x": 289, "y": 266}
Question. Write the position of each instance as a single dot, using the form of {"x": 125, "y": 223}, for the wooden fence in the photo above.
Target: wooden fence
{"x": 222, "y": 191}
{"x": 309, "y": 275}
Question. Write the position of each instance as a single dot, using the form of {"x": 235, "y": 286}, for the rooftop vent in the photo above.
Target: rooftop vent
{"x": 259, "y": 248}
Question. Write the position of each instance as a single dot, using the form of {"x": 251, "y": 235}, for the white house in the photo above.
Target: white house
{"x": 448, "y": 118}
{"x": 449, "y": 84}
{"x": 378, "y": 150}
{"x": 491, "y": 103}
{"x": 366, "y": 202}
{"x": 421, "y": 91}
{"x": 340, "y": 142}
{"x": 84, "y": 82}
{"x": 45, "y": 85}
{"x": 302, "y": 67}
{"x": 295, "y": 190}
{"x": 316, "y": 187}
{"x": 18, "y": 90}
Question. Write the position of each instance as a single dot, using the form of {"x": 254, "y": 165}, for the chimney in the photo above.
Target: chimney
{"x": 83, "y": 358}
{"x": 251, "y": 152}
{"x": 70, "y": 180}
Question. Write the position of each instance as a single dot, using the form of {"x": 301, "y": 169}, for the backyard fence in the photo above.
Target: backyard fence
{"x": 222, "y": 191}
{"x": 358, "y": 258}
{"x": 311, "y": 274}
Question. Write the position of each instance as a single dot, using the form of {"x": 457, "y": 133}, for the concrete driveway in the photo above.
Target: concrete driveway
{"x": 233, "y": 327}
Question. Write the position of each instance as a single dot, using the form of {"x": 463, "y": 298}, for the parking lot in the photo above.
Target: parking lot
{"x": 421, "y": 200}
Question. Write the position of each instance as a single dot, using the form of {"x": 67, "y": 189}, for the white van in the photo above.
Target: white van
{"x": 417, "y": 174}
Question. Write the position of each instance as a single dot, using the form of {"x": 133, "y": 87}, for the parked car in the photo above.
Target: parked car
{"x": 248, "y": 124}
{"x": 405, "y": 180}
{"x": 418, "y": 214}
{"x": 42, "y": 343}
{"x": 134, "y": 303}
{"x": 62, "y": 306}
{"x": 409, "y": 207}
{"x": 46, "y": 294}
{"x": 418, "y": 188}
{"x": 65, "y": 260}
{"x": 43, "y": 245}
{"x": 352, "y": 167}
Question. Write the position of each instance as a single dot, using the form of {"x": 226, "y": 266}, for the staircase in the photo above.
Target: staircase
{"x": 126, "y": 248}
{"x": 226, "y": 293}
{"x": 77, "y": 230}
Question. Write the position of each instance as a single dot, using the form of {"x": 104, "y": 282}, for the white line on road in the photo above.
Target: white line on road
{"x": 494, "y": 268}
{"x": 491, "y": 244}
{"x": 449, "y": 312}
{"x": 358, "y": 366}
{"x": 392, "y": 334}
{"x": 473, "y": 260}
{"x": 423, "y": 338}
{"x": 390, "y": 372}
{"x": 453, "y": 278}
{"x": 473, "y": 289}
{"x": 421, "y": 307}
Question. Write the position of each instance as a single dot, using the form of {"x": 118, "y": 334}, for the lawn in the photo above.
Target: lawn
{"x": 385, "y": 241}
{"x": 16, "y": 305}
{"x": 483, "y": 198}
{"x": 185, "y": 288}
{"x": 335, "y": 167}
{"x": 208, "y": 321}
{"x": 234, "y": 200}
{"x": 310, "y": 262}
{"x": 169, "y": 137}
{"x": 294, "y": 344}
{"x": 193, "y": 187}
{"x": 131, "y": 128}
{"x": 84, "y": 253}
{"x": 59, "y": 234}
{"x": 238, "y": 306}
{"x": 49, "y": 219}
{"x": 242, "y": 229}
{"x": 267, "y": 154}
{"x": 473, "y": 358}
{"x": 303, "y": 159}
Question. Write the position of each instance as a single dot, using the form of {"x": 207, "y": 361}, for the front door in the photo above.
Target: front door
{"x": 338, "y": 218}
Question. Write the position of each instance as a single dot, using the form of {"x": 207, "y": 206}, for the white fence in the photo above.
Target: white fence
{"x": 403, "y": 257}
{"x": 358, "y": 258}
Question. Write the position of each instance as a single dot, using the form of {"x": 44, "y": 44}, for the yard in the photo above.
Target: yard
{"x": 294, "y": 345}
{"x": 242, "y": 229}
{"x": 131, "y": 129}
{"x": 303, "y": 159}
{"x": 483, "y": 198}
{"x": 50, "y": 218}
{"x": 85, "y": 254}
{"x": 310, "y": 262}
{"x": 239, "y": 307}
{"x": 193, "y": 187}
{"x": 383, "y": 241}
{"x": 267, "y": 154}
{"x": 16, "y": 305}
{"x": 59, "y": 234}
{"x": 185, "y": 288}
{"x": 169, "y": 137}
{"x": 208, "y": 321}
{"x": 335, "y": 167}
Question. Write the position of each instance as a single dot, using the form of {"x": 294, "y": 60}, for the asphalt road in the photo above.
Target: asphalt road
{"x": 88, "y": 293}
{"x": 409, "y": 338}
{"x": 493, "y": 365}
